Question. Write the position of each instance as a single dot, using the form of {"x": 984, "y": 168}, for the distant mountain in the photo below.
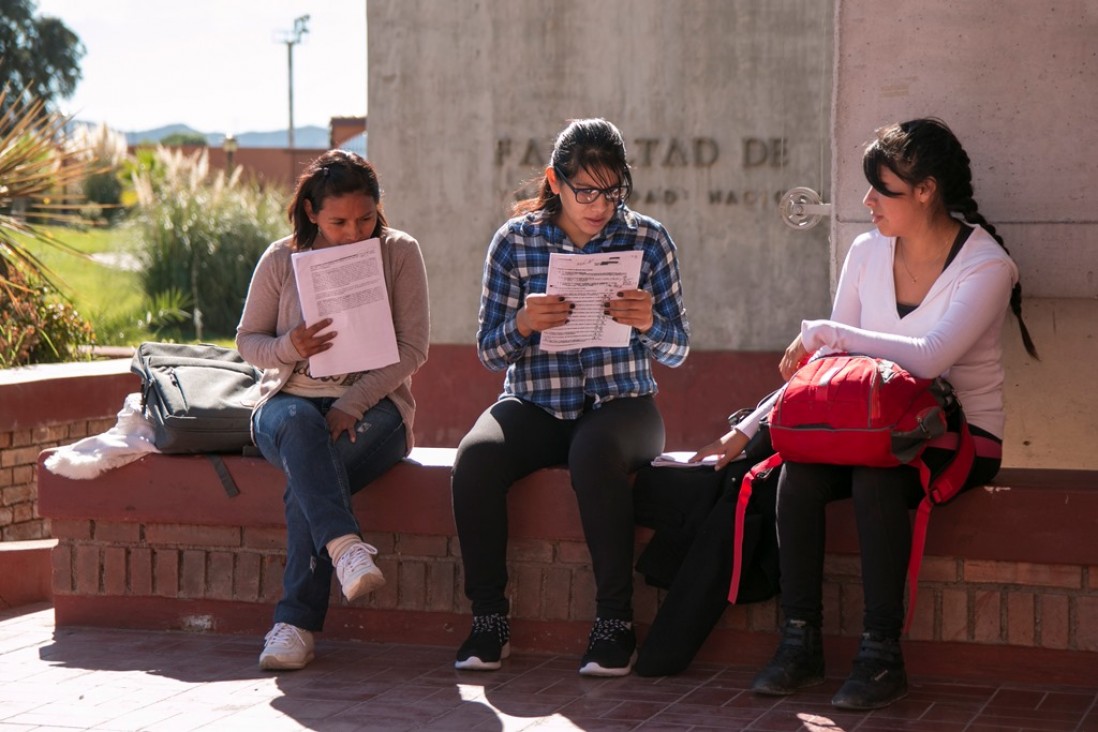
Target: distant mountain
{"x": 310, "y": 136}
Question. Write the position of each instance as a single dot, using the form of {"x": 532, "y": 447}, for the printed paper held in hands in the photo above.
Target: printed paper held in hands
{"x": 589, "y": 281}
{"x": 346, "y": 283}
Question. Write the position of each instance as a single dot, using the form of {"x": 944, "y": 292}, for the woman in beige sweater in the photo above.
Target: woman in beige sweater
{"x": 330, "y": 435}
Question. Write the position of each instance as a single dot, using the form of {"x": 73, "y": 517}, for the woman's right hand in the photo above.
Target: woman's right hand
{"x": 309, "y": 341}
{"x": 542, "y": 312}
{"x": 727, "y": 448}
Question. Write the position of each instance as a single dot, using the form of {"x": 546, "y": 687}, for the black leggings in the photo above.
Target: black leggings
{"x": 882, "y": 498}
{"x": 601, "y": 448}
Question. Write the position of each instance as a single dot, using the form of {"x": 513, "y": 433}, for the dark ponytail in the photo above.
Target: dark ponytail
{"x": 927, "y": 148}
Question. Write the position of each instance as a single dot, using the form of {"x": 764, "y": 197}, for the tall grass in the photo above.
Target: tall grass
{"x": 202, "y": 235}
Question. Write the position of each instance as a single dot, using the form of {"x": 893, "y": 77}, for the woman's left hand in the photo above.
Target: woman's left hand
{"x": 794, "y": 357}
{"x": 631, "y": 307}
{"x": 338, "y": 422}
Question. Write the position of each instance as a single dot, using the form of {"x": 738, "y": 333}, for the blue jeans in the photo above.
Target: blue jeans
{"x": 321, "y": 476}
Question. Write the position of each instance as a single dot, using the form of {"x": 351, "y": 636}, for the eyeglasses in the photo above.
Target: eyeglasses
{"x": 615, "y": 194}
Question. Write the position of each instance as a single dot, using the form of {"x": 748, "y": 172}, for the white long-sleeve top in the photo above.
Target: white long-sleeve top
{"x": 955, "y": 332}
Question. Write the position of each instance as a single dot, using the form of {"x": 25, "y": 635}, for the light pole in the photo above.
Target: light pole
{"x": 292, "y": 38}
{"x": 230, "y": 151}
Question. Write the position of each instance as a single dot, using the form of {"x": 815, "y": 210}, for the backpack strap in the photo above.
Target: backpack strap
{"x": 741, "y": 512}
{"x": 944, "y": 487}
{"x": 223, "y": 474}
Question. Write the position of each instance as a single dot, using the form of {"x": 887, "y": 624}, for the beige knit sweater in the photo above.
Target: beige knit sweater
{"x": 272, "y": 310}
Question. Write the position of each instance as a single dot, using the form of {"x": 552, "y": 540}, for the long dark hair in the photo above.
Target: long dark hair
{"x": 594, "y": 145}
{"x": 335, "y": 173}
{"x": 926, "y": 148}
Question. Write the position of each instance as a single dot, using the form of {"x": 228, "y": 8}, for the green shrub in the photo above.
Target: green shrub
{"x": 104, "y": 190}
{"x": 161, "y": 318}
{"x": 202, "y": 236}
{"x": 37, "y": 325}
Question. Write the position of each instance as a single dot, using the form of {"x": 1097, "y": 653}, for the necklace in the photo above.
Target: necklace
{"x": 903, "y": 260}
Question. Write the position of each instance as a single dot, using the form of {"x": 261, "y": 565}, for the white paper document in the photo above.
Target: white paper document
{"x": 346, "y": 283}
{"x": 589, "y": 281}
{"x": 681, "y": 460}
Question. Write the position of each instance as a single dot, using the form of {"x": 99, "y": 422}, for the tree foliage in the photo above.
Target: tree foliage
{"x": 39, "y": 55}
{"x": 176, "y": 139}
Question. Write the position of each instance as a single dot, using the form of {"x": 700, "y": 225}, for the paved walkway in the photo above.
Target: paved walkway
{"x": 97, "y": 679}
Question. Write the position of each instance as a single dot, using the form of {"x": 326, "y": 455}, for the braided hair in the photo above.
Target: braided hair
{"x": 926, "y": 148}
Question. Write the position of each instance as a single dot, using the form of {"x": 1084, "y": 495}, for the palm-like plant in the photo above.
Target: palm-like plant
{"x": 36, "y": 174}
{"x": 39, "y": 177}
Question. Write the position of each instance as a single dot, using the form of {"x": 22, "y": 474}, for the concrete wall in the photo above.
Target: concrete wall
{"x": 723, "y": 104}
{"x": 1016, "y": 81}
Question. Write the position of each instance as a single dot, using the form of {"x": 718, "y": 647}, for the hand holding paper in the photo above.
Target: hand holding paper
{"x": 590, "y": 281}
{"x": 632, "y": 308}
{"x": 346, "y": 285}
{"x": 310, "y": 340}
{"x": 542, "y": 312}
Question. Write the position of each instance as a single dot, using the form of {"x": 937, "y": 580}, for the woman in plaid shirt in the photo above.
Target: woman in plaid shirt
{"x": 589, "y": 408}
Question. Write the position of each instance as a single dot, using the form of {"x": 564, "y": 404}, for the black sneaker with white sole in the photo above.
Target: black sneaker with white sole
{"x": 610, "y": 648}
{"x": 488, "y": 643}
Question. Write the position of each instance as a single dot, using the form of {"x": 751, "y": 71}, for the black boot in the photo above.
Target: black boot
{"x": 878, "y": 678}
{"x": 797, "y": 664}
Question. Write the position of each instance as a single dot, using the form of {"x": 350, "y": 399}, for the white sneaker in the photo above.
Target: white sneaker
{"x": 287, "y": 647}
{"x": 357, "y": 573}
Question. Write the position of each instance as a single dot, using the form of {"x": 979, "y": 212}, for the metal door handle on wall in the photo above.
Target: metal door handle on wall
{"x": 801, "y": 208}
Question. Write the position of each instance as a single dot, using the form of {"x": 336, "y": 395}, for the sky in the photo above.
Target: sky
{"x": 215, "y": 65}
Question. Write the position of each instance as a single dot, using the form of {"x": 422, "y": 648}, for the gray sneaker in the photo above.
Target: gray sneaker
{"x": 357, "y": 573}
{"x": 287, "y": 648}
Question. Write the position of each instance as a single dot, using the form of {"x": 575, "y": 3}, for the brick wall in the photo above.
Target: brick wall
{"x": 550, "y": 579}
{"x": 972, "y": 601}
{"x": 19, "y": 448}
{"x": 159, "y": 545}
{"x": 46, "y": 406}
{"x": 979, "y": 601}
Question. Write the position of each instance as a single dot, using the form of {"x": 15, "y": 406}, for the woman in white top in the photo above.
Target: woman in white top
{"x": 928, "y": 289}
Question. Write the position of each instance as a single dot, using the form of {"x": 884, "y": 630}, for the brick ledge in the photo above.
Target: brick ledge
{"x": 1052, "y": 509}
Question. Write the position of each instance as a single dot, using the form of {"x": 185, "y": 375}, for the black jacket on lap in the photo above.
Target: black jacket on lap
{"x": 692, "y": 511}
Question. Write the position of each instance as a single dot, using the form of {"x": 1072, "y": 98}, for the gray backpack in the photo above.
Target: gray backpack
{"x": 198, "y": 398}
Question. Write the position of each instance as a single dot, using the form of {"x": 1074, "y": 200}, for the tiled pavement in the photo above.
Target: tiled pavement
{"x": 97, "y": 679}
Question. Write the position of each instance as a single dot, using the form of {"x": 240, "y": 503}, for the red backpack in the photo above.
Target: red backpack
{"x": 859, "y": 410}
